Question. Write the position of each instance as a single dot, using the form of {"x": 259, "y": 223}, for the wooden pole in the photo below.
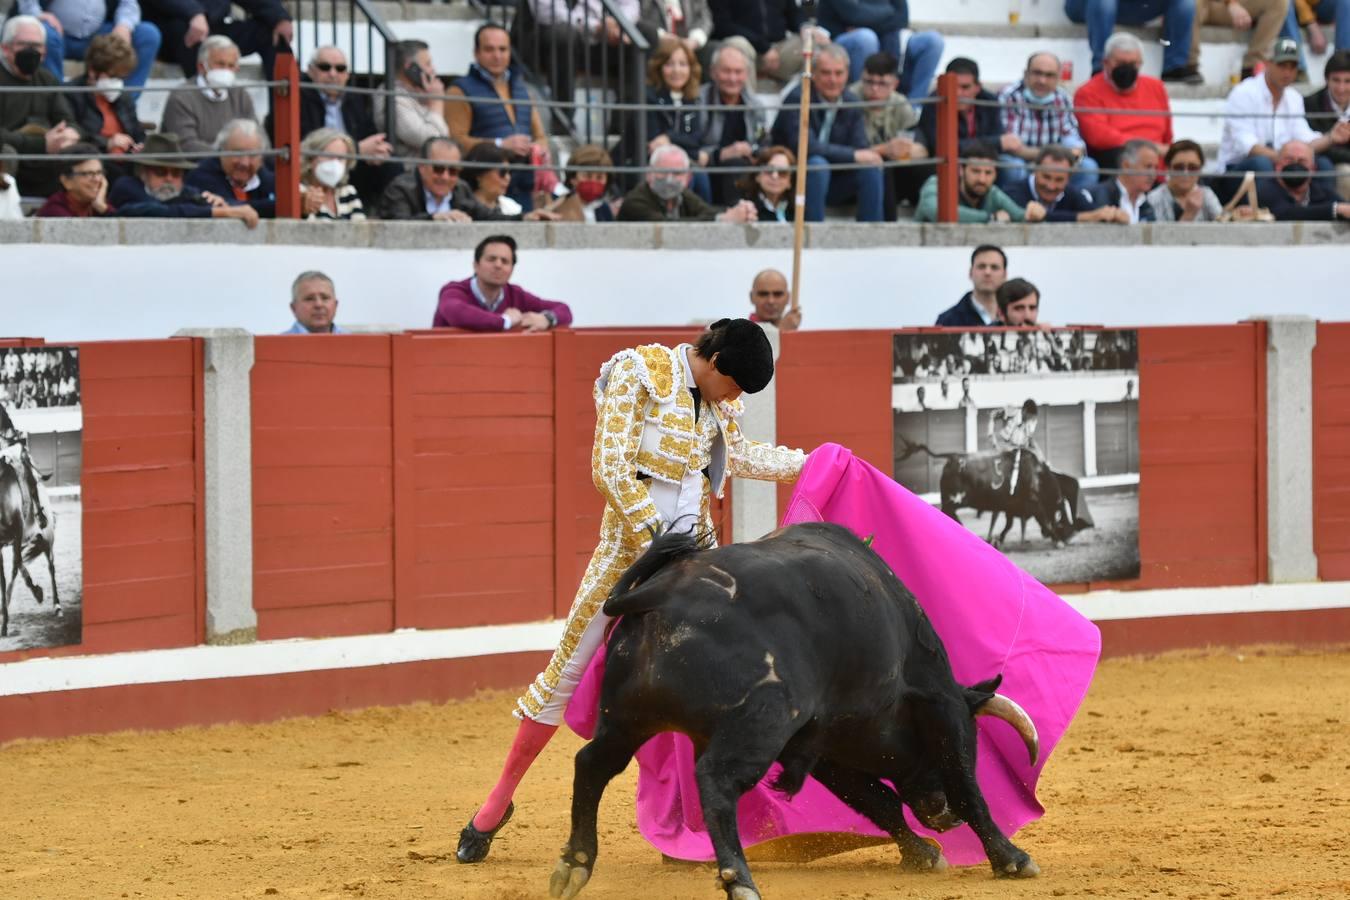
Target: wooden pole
{"x": 948, "y": 148}
{"x": 803, "y": 149}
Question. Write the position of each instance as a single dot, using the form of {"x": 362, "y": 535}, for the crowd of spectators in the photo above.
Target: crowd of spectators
{"x": 38, "y": 377}
{"x": 1030, "y": 152}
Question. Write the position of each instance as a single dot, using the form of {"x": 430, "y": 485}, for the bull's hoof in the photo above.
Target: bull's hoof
{"x": 1024, "y": 868}
{"x": 474, "y": 844}
{"x": 568, "y": 878}
{"x": 924, "y": 855}
{"x": 741, "y": 892}
{"x": 37, "y": 594}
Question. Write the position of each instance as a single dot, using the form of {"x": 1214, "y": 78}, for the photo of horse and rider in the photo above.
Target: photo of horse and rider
{"x": 41, "y": 450}
{"x": 1029, "y": 438}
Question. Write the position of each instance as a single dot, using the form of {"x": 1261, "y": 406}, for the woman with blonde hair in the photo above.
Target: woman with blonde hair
{"x": 673, "y": 78}
{"x": 326, "y": 194}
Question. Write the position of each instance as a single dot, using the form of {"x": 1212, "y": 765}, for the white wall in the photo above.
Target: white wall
{"x": 63, "y": 292}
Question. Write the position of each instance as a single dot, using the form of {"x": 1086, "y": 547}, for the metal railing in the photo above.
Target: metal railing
{"x": 379, "y": 39}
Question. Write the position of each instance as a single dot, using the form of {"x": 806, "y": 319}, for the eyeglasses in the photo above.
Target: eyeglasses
{"x": 777, "y": 173}
{"x": 1186, "y": 167}
{"x": 329, "y": 67}
{"x": 445, "y": 170}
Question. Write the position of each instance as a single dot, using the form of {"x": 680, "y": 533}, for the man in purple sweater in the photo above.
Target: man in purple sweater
{"x": 488, "y": 302}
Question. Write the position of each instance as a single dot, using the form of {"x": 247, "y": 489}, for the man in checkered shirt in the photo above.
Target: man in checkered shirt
{"x": 1039, "y": 112}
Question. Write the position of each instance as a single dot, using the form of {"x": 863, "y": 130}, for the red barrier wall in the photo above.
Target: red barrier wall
{"x": 1331, "y": 451}
{"x": 142, "y": 487}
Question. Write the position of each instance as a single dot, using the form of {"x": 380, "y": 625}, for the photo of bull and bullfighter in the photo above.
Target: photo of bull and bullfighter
{"x": 1028, "y": 438}
{"x": 41, "y": 451}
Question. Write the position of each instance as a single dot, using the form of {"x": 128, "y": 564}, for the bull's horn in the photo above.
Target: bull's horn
{"x": 1001, "y": 707}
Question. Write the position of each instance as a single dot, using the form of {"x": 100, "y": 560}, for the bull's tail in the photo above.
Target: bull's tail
{"x": 909, "y": 448}
{"x": 665, "y": 549}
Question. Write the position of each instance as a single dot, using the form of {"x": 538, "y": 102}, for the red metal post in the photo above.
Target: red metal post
{"x": 948, "y": 148}
{"x": 286, "y": 114}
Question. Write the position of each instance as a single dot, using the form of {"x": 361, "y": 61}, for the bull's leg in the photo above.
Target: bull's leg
{"x": 993, "y": 521}
{"x": 1007, "y": 526}
{"x": 32, "y": 585}
{"x": 943, "y": 724}
{"x": 746, "y": 743}
{"x": 4, "y": 598}
{"x": 881, "y": 805}
{"x": 596, "y": 765}
{"x": 51, "y": 570}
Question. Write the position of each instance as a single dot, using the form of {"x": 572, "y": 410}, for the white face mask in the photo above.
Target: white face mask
{"x": 110, "y": 88}
{"x": 329, "y": 172}
{"x": 220, "y": 79}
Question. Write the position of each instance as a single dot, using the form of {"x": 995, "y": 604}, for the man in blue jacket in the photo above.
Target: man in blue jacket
{"x": 836, "y": 135}
{"x": 1049, "y": 185}
{"x": 864, "y": 27}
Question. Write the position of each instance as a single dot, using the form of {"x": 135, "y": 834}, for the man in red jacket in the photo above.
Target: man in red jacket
{"x": 488, "y": 302}
{"x": 1120, "y": 86}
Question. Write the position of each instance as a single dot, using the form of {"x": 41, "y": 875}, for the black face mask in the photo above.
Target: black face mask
{"x": 27, "y": 60}
{"x": 1295, "y": 175}
{"x": 1125, "y": 76}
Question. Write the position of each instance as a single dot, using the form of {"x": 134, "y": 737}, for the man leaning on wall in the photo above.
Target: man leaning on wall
{"x": 314, "y": 303}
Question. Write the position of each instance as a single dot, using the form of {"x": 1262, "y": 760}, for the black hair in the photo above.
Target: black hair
{"x": 79, "y": 150}
{"x": 1012, "y": 290}
{"x": 1337, "y": 62}
{"x": 743, "y": 352}
{"x": 979, "y": 150}
{"x": 989, "y": 248}
{"x": 425, "y": 150}
{"x": 488, "y": 155}
{"x": 1057, "y": 152}
{"x": 881, "y": 63}
{"x": 964, "y": 65}
{"x": 404, "y": 51}
{"x": 495, "y": 239}
{"x": 488, "y": 26}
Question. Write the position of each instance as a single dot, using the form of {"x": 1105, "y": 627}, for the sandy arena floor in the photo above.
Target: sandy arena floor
{"x": 1187, "y": 776}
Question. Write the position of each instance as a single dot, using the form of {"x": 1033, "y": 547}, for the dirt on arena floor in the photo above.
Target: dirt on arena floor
{"x": 1191, "y": 775}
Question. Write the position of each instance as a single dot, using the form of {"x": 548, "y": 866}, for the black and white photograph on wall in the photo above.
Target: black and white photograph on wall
{"x": 1028, "y": 438}
{"x": 41, "y": 453}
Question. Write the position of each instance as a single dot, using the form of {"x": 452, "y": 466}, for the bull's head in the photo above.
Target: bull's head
{"x": 983, "y": 701}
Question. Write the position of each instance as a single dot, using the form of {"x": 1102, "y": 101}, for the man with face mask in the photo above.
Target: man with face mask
{"x": 1295, "y": 195}
{"x": 665, "y": 195}
{"x": 1040, "y": 113}
{"x": 1138, "y": 97}
{"x": 108, "y": 115}
{"x": 197, "y": 116}
{"x": 33, "y": 122}
{"x": 157, "y": 191}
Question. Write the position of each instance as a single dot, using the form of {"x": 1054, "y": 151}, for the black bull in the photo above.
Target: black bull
{"x": 801, "y": 648}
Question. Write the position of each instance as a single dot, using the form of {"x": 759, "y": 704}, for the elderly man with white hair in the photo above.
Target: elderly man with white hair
{"x": 1137, "y": 105}
{"x": 731, "y": 120}
{"x": 837, "y": 135}
{"x": 197, "y": 116}
{"x": 32, "y": 122}
{"x": 665, "y": 195}
{"x": 237, "y": 175}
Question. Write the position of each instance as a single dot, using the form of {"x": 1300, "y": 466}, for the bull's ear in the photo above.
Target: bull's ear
{"x": 976, "y": 698}
{"x": 988, "y": 686}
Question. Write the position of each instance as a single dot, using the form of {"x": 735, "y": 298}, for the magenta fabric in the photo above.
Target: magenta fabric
{"x": 993, "y": 618}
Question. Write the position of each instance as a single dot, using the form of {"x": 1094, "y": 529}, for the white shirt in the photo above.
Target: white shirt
{"x": 675, "y": 502}
{"x": 1131, "y": 207}
{"x": 1265, "y": 127}
{"x": 10, "y": 209}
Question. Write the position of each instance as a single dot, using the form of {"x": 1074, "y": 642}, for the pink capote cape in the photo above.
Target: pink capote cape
{"x": 993, "y": 618}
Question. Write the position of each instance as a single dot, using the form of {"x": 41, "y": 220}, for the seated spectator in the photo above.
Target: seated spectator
{"x": 689, "y": 22}
{"x": 1316, "y": 13}
{"x": 768, "y": 32}
{"x": 489, "y": 302}
{"x": 864, "y": 27}
{"x": 1037, "y": 112}
{"x": 198, "y": 116}
{"x": 771, "y": 188}
{"x": 731, "y": 121}
{"x": 586, "y": 199}
{"x": 979, "y": 306}
{"x": 673, "y": 78}
{"x": 1051, "y": 186}
{"x": 836, "y": 135}
{"x": 11, "y": 208}
{"x": 314, "y": 304}
{"x": 1263, "y": 18}
{"x": 108, "y": 116}
{"x": 325, "y": 192}
{"x": 664, "y": 195}
{"x": 419, "y": 107}
{"x": 1329, "y": 113}
{"x": 1102, "y": 16}
{"x": 1295, "y": 195}
{"x": 72, "y": 25}
{"x": 769, "y": 295}
{"x": 84, "y": 189}
{"x": 265, "y": 23}
{"x": 503, "y": 114}
{"x": 1019, "y": 303}
{"x": 975, "y": 124}
{"x": 1120, "y": 86}
{"x": 491, "y": 183}
{"x": 1264, "y": 113}
{"x": 1183, "y": 198}
{"x": 890, "y": 124}
{"x": 980, "y": 200}
{"x": 156, "y": 189}
{"x": 433, "y": 190}
{"x": 33, "y": 122}
{"x": 349, "y": 114}
{"x": 1129, "y": 190}
{"x": 242, "y": 179}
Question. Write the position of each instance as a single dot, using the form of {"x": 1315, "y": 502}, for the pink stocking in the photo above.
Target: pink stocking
{"x": 531, "y": 738}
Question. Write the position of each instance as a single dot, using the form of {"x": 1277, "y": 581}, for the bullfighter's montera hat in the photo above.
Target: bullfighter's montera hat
{"x": 744, "y": 353}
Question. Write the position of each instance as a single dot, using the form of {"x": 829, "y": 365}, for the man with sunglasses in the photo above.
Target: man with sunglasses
{"x": 433, "y": 191}
{"x": 157, "y": 191}
{"x": 332, "y": 107}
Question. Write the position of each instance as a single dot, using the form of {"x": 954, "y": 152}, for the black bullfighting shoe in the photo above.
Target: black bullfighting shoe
{"x": 474, "y": 844}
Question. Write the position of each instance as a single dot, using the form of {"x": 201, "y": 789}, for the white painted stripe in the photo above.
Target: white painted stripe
{"x": 69, "y": 673}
